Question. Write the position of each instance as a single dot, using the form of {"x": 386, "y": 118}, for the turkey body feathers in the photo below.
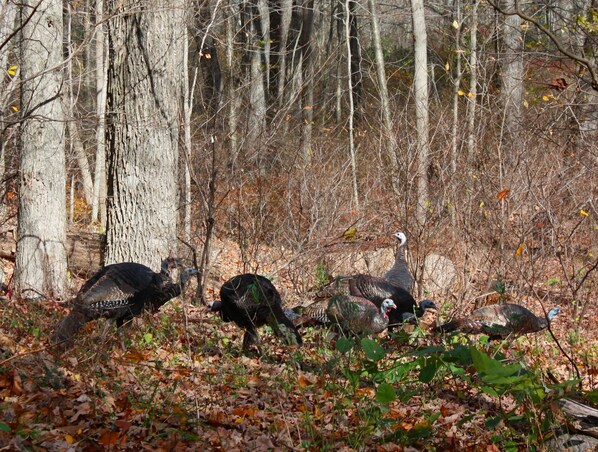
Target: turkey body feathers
{"x": 499, "y": 321}
{"x": 357, "y": 315}
{"x": 252, "y": 301}
{"x": 376, "y": 290}
{"x": 119, "y": 292}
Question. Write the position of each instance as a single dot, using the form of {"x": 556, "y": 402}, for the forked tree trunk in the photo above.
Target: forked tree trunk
{"x": 145, "y": 45}
{"x": 40, "y": 266}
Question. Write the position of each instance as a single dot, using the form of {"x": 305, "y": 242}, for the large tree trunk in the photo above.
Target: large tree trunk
{"x": 421, "y": 107}
{"x": 40, "y": 257}
{"x": 145, "y": 45}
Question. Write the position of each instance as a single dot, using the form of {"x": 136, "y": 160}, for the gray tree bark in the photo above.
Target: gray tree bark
{"x": 472, "y": 96}
{"x": 421, "y": 107}
{"x": 389, "y": 137}
{"x": 144, "y": 91}
{"x": 8, "y": 13}
{"x": 98, "y": 207}
{"x": 40, "y": 265}
{"x": 512, "y": 79}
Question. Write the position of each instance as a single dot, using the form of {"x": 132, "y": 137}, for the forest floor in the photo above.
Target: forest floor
{"x": 183, "y": 384}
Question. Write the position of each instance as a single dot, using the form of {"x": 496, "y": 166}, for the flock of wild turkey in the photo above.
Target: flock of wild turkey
{"x": 356, "y": 305}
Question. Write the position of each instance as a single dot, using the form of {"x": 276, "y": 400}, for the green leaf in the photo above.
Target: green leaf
{"x": 4, "y": 427}
{"x": 344, "y": 344}
{"x": 372, "y": 349}
{"x": 482, "y": 362}
{"x": 147, "y": 338}
{"x": 592, "y": 396}
{"x": 386, "y": 393}
{"x": 493, "y": 422}
{"x": 428, "y": 372}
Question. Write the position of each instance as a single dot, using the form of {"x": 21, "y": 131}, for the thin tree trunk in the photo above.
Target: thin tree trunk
{"x": 40, "y": 265}
{"x": 73, "y": 128}
{"x": 388, "y": 134}
{"x": 512, "y": 80}
{"x": 257, "y": 101}
{"x": 473, "y": 84}
{"x": 98, "y": 207}
{"x": 421, "y": 107}
{"x": 351, "y": 88}
{"x": 143, "y": 131}
{"x": 455, "y": 125}
{"x": 305, "y": 42}
{"x": 285, "y": 23}
{"x": 8, "y": 14}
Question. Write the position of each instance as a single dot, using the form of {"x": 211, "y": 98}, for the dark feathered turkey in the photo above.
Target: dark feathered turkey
{"x": 358, "y": 316}
{"x": 252, "y": 301}
{"x": 399, "y": 275}
{"x": 376, "y": 290}
{"x": 120, "y": 292}
{"x": 499, "y": 321}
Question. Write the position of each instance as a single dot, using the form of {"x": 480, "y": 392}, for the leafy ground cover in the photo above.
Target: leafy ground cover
{"x": 183, "y": 384}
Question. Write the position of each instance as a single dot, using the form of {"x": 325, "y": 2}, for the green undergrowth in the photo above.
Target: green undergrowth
{"x": 183, "y": 381}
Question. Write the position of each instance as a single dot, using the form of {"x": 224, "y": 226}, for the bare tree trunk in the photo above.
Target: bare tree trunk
{"x": 421, "y": 107}
{"x": 305, "y": 42}
{"x": 8, "y": 13}
{"x": 40, "y": 265}
{"x": 472, "y": 96}
{"x": 388, "y": 135}
{"x": 512, "y": 80}
{"x": 455, "y": 125}
{"x": 285, "y": 22}
{"x": 351, "y": 88}
{"x": 73, "y": 127}
{"x": 98, "y": 208}
{"x": 233, "y": 97}
{"x": 257, "y": 101}
{"x": 143, "y": 130}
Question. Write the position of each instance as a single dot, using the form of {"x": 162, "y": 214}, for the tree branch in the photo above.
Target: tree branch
{"x": 581, "y": 60}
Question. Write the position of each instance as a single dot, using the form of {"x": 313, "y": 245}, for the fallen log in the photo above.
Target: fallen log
{"x": 84, "y": 250}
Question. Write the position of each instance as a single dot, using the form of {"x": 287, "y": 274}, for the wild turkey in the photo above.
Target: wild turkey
{"x": 120, "y": 292}
{"x": 358, "y": 316}
{"x": 399, "y": 274}
{"x": 376, "y": 290}
{"x": 252, "y": 301}
{"x": 499, "y": 321}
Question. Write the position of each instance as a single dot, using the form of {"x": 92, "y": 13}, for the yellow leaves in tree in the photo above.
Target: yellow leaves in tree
{"x": 455, "y": 24}
{"x": 583, "y": 213}
{"x": 461, "y": 93}
{"x": 12, "y": 71}
{"x": 520, "y": 249}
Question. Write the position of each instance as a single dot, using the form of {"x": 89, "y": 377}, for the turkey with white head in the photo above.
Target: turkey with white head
{"x": 376, "y": 290}
{"x": 399, "y": 274}
{"x": 358, "y": 316}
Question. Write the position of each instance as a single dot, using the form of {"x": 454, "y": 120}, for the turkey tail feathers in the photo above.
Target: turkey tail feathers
{"x": 68, "y": 327}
